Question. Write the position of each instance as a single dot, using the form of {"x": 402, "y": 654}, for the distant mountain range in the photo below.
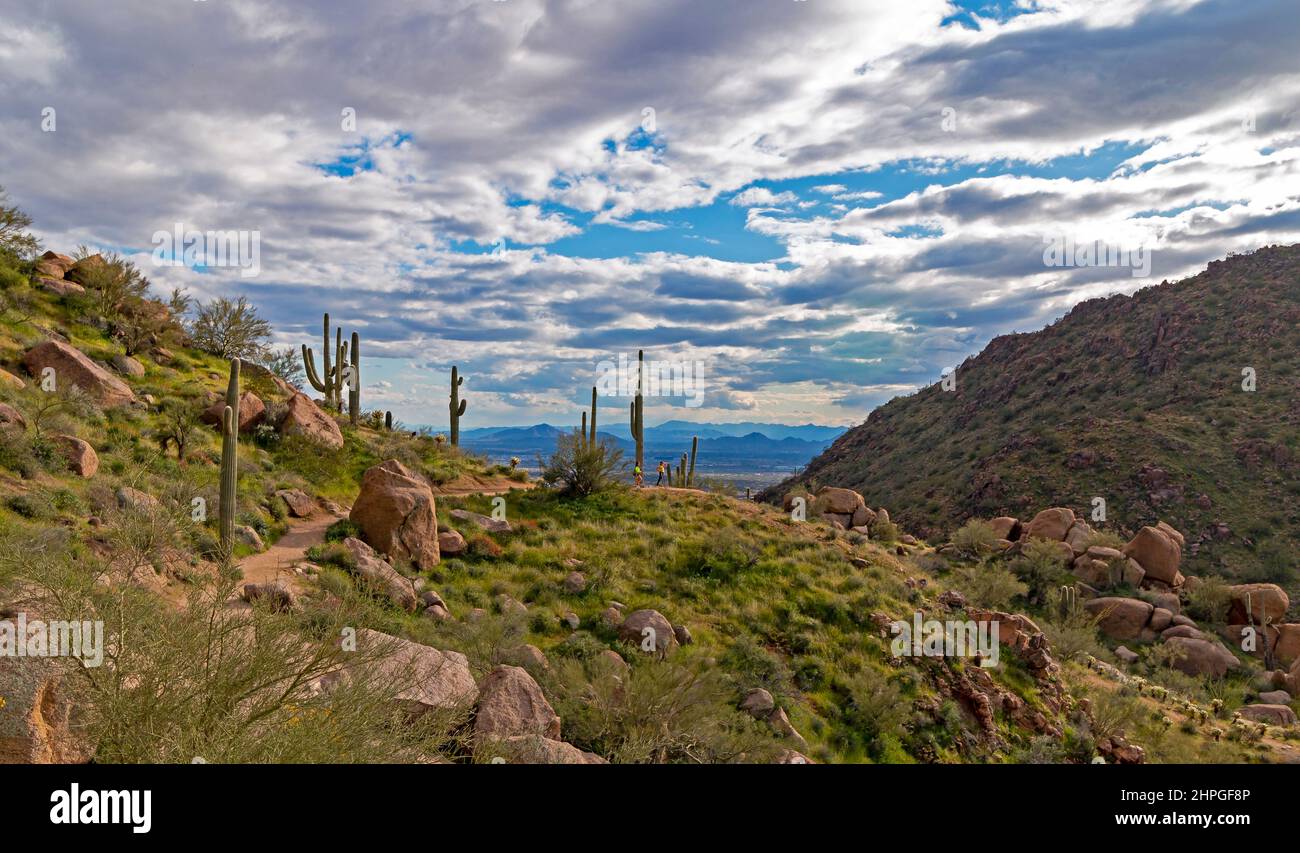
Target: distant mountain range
{"x": 724, "y": 448}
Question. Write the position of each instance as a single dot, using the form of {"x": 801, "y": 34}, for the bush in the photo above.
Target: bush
{"x": 974, "y": 538}
{"x": 230, "y": 329}
{"x": 344, "y": 528}
{"x": 1208, "y": 602}
{"x": 1041, "y": 565}
{"x": 581, "y": 467}
{"x": 989, "y": 585}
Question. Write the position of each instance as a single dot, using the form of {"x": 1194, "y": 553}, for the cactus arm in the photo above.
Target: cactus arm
{"x": 309, "y": 365}
{"x": 690, "y": 474}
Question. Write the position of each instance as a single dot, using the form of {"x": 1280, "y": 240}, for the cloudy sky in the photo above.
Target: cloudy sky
{"x": 827, "y": 202}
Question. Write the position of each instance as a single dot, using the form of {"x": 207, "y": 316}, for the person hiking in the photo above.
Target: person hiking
{"x": 637, "y": 476}
{"x": 662, "y": 468}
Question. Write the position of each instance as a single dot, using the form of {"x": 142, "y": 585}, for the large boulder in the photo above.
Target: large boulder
{"x": 863, "y": 516}
{"x": 303, "y": 417}
{"x": 41, "y": 719}
{"x": 427, "y": 679}
{"x": 451, "y": 543}
{"x": 1157, "y": 553}
{"x": 1077, "y": 537}
{"x": 299, "y": 503}
{"x": 485, "y": 522}
{"x": 78, "y": 454}
{"x": 72, "y": 368}
{"x": 1273, "y": 715}
{"x": 83, "y": 271}
{"x": 532, "y": 749}
{"x": 12, "y": 421}
{"x": 648, "y": 630}
{"x": 1288, "y": 643}
{"x": 510, "y": 704}
{"x": 837, "y": 500}
{"x": 127, "y": 366}
{"x": 1257, "y": 603}
{"x": 1051, "y": 523}
{"x": 252, "y": 411}
{"x": 396, "y": 514}
{"x": 1006, "y": 527}
{"x": 59, "y": 287}
{"x": 399, "y": 590}
{"x": 1201, "y": 657}
{"x": 54, "y": 265}
{"x": 1121, "y": 618}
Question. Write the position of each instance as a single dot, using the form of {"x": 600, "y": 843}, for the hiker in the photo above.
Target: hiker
{"x": 662, "y": 468}
{"x": 636, "y": 475}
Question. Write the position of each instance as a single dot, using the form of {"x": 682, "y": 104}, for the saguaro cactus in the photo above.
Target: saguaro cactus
{"x": 229, "y": 460}
{"x": 638, "y": 411}
{"x": 592, "y": 437}
{"x": 354, "y": 381}
{"x": 330, "y": 382}
{"x": 690, "y": 475}
{"x": 388, "y": 421}
{"x": 582, "y": 433}
{"x": 457, "y": 405}
{"x": 1068, "y": 601}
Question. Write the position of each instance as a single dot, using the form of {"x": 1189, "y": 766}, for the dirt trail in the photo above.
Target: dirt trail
{"x": 473, "y": 484}
{"x": 276, "y": 562}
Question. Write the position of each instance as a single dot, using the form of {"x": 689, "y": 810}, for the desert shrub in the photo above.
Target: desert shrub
{"x": 989, "y": 585}
{"x": 748, "y": 664}
{"x": 344, "y": 528}
{"x": 659, "y": 712}
{"x": 1106, "y": 539}
{"x": 885, "y": 532}
{"x": 875, "y": 709}
{"x": 1073, "y": 634}
{"x": 486, "y": 641}
{"x": 1041, "y": 566}
{"x": 1113, "y": 713}
{"x": 17, "y": 244}
{"x": 974, "y": 538}
{"x": 230, "y": 329}
{"x": 1208, "y": 601}
{"x": 581, "y": 467}
{"x": 721, "y": 556}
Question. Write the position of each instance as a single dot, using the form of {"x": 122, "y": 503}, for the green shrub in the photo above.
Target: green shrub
{"x": 974, "y": 538}
{"x": 344, "y": 528}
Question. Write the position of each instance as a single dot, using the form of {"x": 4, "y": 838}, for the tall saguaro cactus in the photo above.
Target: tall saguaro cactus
{"x": 638, "y": 411}
{"x": 690, "y": 474}
{"x": 592, "y": 437}
{"x": 330, "y": 382}
{"x": 354, "y": 381}
{"x": 229, "y": 460}
{"x": 457, "y": 406}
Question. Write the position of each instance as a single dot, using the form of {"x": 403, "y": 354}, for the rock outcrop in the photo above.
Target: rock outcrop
{"x": 396, "y": 514}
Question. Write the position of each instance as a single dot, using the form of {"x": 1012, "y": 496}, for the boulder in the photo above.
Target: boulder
{"x": 12, "y": 421}
{"x": 1184, "y": 631}
{"x": 278, "y": 596}
{"x": 1267, "y": 603}
{"x": 72, "y": 368}
{"x": 298, "y": 502}
{"x": 450, "y": 543}
{"x": 837, "y": 500}
{"x": 508, "y": 605}
{"x": 134, "y": 500}
{"x": 491, "y": 525}
{"x": 575, "y": 583}
{"x": 83, "y": 270}
{"x": 1051, "y": 523}
{"x": 683, "y": 635}
{"x": 510, "y": 704}
{"x": 1121, "y": 618}
{"x": 1126, "y": 654}
{"x": 1157, "y": 554}
{"x": 529, "y": 657}
{"x": 252, "y": 411}
{"x": 396, "y": 514}
{"x": 1173, "y": 534}
{"x": 1160, "y": 619}
{"x": 1095, "y": 573}
{"x": 41, "y": 719}
{"x": 1167, "y": 600}
{"x": 648, "y": 630}
{"x": 1006, "y": 527}
{"x": 127, "y": 366}
{"x": 10, "y": 381}
{"x": 863, "y": 516}
{"x": 303, "y": 417}
{"x": 1275, "y": 697}
{"x": 531, "y": 749}
{"x": 369, "y": 566}
{"x": 80, "y": 456}
{"x": 1134, "y": 574}
{"x": 788, "y": 502}
{"x": 249, "y": 537}
{"x": 1201, "y": 657}
{"x": 1077, "y": 536}
{"x": 1273, "y": 715}
{"x": 1288, "y": 643}
{"x": 428, "y": 679}
{"x": 758, "y": 703}
{"x": 59, "y": 287}
{"x": 54, "y": 265}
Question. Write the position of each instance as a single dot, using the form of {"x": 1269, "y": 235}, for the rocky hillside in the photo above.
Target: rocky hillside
{"x": 1135, "y": 400}
{"x": 381, "y": 596}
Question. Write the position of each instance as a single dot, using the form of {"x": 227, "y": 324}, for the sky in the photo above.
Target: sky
{"x": 816, "y": 204}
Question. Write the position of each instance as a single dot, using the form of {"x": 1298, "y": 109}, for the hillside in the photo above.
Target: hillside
{"x": 390, "y": 598}
{"x": 1137, "y": 400}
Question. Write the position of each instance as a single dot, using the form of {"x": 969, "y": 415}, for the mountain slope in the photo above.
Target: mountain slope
{"x": 1136, "y": 400}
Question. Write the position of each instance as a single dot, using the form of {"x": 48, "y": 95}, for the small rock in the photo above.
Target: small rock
{"x": 575, "y": 583}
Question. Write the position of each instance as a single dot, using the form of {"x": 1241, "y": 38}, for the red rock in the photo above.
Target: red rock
{"x": 72, "y": 368}
{"x": 80, "y": 456}
{"x": 305, "y": 418}
{"x": 252, "y": 411}
{"x": 396, "y": 513}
